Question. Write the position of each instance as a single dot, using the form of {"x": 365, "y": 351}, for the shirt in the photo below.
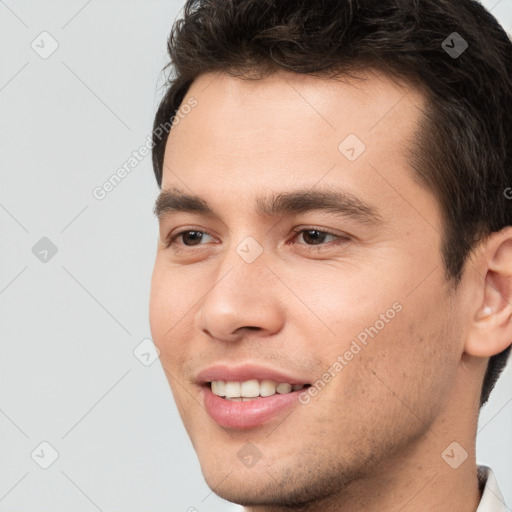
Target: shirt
{"x": 492, "y": 499}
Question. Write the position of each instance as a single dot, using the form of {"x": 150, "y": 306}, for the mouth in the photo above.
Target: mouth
{"x": 242, "y": 396}
{"x": 247, "y": 404}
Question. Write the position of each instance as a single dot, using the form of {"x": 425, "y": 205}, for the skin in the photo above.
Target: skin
{"x": 372, "y": 439}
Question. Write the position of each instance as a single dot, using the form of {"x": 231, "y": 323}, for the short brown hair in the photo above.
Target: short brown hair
{"x": 454, "y": 50}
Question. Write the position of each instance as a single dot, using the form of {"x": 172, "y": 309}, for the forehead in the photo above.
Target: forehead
{"x": 291, "y": 113}
{"x": 360, "y": 100}
{"x": 245, "y": 136}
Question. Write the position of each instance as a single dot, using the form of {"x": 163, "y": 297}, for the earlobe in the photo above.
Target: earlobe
{"x": 491, "y": 329}
{"x": 484, "y": 312}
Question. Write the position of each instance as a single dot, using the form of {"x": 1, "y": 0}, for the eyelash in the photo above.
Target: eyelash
{"x": 172, "y": 238}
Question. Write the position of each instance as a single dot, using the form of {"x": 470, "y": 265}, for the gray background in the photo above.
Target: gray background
{"x": 69, "y": 325}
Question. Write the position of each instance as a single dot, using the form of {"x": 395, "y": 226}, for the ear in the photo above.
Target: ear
{"x": 491, "y": 324}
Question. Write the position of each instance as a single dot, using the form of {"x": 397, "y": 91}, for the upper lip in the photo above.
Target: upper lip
{"x": 244, "y": 372}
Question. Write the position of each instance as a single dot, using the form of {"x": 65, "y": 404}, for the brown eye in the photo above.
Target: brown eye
{"x": 191, "y": 236}
{"x": 314, "y": 236}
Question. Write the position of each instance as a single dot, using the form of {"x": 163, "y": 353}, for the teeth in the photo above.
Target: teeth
{"x": 283, "y": 388}
{"x": 221, "y": 388}
{"x": 251, "y": 389}
{"x": 232, "y": 389}
{"x": 267, "y": 388}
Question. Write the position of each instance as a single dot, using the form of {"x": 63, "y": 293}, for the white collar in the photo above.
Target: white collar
{"x": 492, "y": 499}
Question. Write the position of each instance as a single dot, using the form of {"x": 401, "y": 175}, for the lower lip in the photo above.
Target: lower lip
{"x": 249, "y": 414}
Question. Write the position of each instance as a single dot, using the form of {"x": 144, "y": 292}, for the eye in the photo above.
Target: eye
{"x": 314, "y": 237}
{"x": 189, "y": 238}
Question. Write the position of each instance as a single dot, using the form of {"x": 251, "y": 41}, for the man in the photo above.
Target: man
{"x": 333, "y": 282}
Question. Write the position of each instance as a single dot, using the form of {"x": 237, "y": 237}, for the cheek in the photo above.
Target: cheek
{"x": 173, "y": 295}
{"x": 169, "y": 325}
{"x": 395, "y": 346}
{"x": 408, "y": 366}
{"x": 170, "y": 313}
{"x": 342, "y": 303}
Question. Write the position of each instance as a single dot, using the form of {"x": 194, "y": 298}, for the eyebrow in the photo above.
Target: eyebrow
{"x": 294, "y": 202}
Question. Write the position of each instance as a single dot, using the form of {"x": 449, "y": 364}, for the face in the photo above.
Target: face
{"x": 307, "y": 255}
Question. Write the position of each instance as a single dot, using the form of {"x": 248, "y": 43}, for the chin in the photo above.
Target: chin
{"x": 249, "y": 491}
{"x": 264, "y": 490}
{"x": 241, "y": 485}
{"x": 277, "y": 484}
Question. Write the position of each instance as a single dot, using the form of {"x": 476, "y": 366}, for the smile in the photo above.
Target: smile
{"x": 251, "y": 389}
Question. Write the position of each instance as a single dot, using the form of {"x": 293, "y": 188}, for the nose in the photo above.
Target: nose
{"x": 243, "y": 299}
